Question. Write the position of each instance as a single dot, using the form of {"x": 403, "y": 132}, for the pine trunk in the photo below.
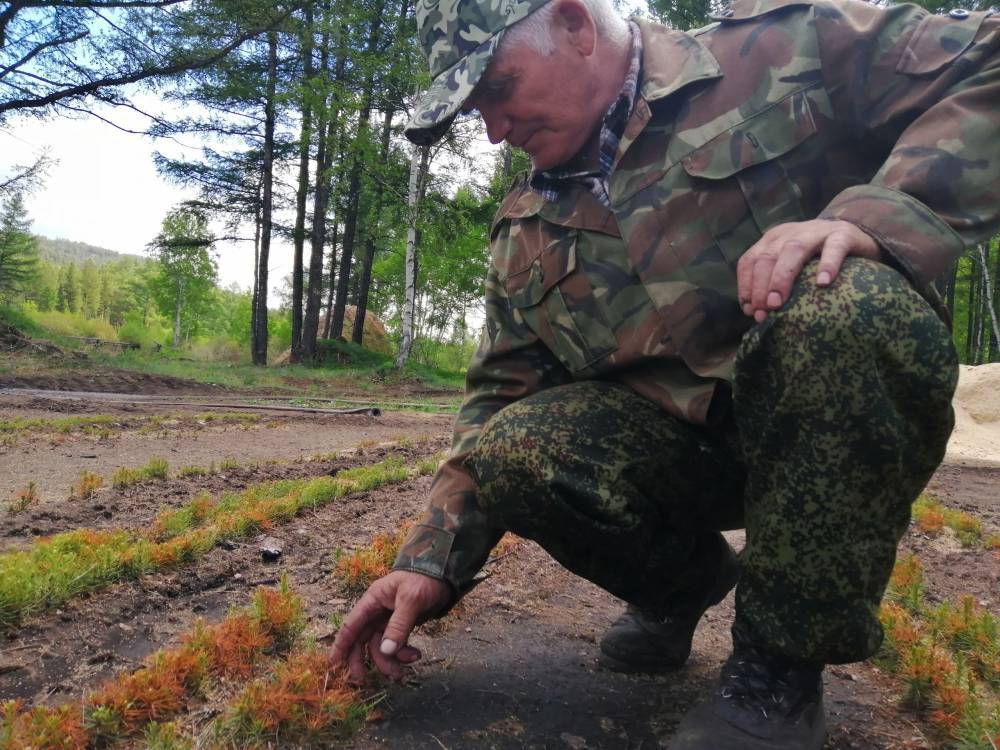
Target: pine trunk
{"x": 302, "y": 194}
{"x": 324, "y": 188}
{"x": 259, "y": 345}
{"x": 354, "y": 186}
{"x": 365, "y": 281}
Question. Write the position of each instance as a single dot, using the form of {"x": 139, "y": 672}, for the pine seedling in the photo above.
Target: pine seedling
{"x": 357, "y": 570}
{"x": 86, "y": 486}
{"x": 24, "y": 499}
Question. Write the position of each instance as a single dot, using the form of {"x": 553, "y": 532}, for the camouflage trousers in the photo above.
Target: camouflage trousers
{"x": 841, "y": 410}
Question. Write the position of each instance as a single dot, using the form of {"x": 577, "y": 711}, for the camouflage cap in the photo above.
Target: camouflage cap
{"x": 459, "y": 38}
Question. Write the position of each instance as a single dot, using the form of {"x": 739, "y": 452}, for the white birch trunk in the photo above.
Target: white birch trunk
{"x": 989, "y": 293}
{"x": 418, "y": 169}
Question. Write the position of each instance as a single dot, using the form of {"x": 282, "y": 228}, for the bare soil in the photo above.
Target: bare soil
{"x": 515, "y": 666}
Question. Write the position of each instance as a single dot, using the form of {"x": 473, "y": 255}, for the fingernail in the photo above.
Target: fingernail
{"x": 774, "y": 300}
{"x": 759, "y": 316}
{"x": 823, "y": 278}
{"x": 747, "y": 309}
{"x": 388, "y": 646}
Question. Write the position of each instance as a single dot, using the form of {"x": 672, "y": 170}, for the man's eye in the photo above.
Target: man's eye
{"x": 498, "y": 89}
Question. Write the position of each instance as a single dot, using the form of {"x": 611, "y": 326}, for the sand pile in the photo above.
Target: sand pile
{"x": 976, "y": 439}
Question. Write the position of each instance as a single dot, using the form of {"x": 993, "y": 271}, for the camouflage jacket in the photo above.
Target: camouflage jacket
{"x": 781, "y": 110}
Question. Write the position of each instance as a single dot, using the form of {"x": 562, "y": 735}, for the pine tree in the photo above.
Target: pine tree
{"x": 18, "y": 253}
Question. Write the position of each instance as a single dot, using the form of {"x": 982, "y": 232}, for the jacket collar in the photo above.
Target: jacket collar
{"x": 672, "y": 60}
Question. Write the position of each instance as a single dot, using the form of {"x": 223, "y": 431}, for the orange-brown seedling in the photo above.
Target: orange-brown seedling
{"x": 931, "y": 521}
{"x": 86, "y": 486}
{"x": 235, "y": 645}
{"x": 280, "y": 614}
{"x": 357, "y": 570}
{"x": 42, "y": 728}
{"x": 24, "y": 499}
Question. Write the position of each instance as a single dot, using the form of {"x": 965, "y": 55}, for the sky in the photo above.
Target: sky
{"x": 103, "y": 189}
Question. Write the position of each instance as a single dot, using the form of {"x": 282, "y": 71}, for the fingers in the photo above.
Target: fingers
{"x": 836, "y": 247}
{"x": 403, "y": 618}
{"x": 357, "y": 627}
{"x": 768, "y": 270}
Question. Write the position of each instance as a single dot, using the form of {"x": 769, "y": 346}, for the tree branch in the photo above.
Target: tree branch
{"x": 139, "y": 75}
{"x": 40, "y": 48}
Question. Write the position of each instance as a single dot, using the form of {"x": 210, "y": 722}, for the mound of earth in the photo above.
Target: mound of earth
{"x": 976, "y": 439}
{"x": 108, "y": 381}
{"x": 375, "y": 337}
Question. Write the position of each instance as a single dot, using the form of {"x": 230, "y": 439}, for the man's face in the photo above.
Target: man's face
{"x": 542, "y": 104}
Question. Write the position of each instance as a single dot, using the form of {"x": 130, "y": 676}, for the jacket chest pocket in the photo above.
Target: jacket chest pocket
{"x": 746, "y": 177}
{"x": 556, "y": 300}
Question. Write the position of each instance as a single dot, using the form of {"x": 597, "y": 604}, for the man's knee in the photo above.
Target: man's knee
{"x": 868, "y": 316}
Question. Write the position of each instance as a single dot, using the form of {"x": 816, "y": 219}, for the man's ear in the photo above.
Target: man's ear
{"x": 574, "y": 23}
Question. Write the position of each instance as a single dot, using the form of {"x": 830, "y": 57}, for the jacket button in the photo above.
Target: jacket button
{"x": 958, "y": 13}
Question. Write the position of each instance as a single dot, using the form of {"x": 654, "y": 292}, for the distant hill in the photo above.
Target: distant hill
{"x": 62, "y": 252}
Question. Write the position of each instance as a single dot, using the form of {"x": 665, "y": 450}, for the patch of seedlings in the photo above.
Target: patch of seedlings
{"x": 301, "y": 704}
{"x": 931, "y": 517}
{"x": 129, "y": 705}
{"x": 55, "y": 569}
{"x": 156, "y": 469}
{"x": 948, "y": 657}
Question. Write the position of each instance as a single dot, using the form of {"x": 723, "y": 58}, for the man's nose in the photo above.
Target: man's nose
{"x": 498, "y": 125}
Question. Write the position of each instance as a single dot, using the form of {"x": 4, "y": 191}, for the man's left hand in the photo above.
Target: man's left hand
{"x": 766, "y": 272}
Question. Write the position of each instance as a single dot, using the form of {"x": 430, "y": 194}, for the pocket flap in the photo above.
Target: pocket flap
{"x": 527, "y": 286}
{"x": 938, "y": 40}
{"x": 761, "y": 137}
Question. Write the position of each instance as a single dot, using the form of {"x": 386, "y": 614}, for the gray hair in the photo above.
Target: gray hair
{"x": 535, "y": 30}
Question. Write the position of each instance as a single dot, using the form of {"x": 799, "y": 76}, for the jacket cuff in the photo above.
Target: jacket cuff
{"x": 426, "y": 550}
{"x": 918, "y": 240}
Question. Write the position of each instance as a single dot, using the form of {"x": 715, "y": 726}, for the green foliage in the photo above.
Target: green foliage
{"x": 185, "y": 284}
{"x": 75, "y": 324}
{"x": 18, "y": 252}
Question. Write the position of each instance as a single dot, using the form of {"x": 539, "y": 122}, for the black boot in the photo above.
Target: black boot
{"x": 763, "y": 702}
{"x": 642, "y": 641}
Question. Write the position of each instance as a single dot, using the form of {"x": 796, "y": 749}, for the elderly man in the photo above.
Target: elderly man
{"x": 709, "y": 307}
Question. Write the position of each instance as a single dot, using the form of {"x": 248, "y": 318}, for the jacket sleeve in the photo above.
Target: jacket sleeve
{"x": 928, "y": 87}
{"x": 454, "y": 537}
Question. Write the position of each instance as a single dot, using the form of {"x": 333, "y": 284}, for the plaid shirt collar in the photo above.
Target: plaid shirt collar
{"x": 551, "y": 183}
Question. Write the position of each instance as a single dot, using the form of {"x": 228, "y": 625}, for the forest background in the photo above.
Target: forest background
{"x": 299, "y": 106}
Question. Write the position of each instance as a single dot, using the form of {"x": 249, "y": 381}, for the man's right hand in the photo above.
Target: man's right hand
{"x": 382, "y": 619}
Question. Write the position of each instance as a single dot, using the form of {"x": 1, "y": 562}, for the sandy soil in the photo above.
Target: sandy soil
{"x": 515, "y": 666}
{"x": 976, "y": 439}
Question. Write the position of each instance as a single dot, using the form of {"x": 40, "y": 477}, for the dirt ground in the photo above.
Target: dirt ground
{"x": 515, "y": 666}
